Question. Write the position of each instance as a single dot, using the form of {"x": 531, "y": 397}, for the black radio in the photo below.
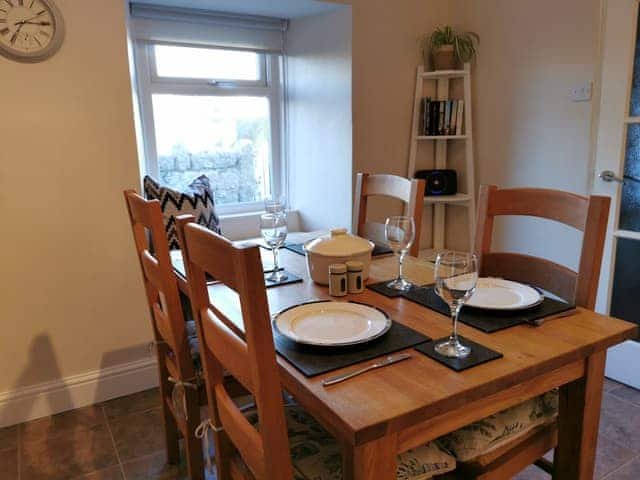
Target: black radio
{"x": 439, "y": 182}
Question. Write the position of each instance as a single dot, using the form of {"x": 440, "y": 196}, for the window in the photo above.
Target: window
{"x": 216, "y": 112}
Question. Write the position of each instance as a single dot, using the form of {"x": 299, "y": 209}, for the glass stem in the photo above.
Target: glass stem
{"x": 401, "y": 256}
{"x": 455, "y": 311}
{"x": 275, "y": 261}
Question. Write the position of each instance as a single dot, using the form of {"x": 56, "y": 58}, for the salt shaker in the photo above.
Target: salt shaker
{"x": 337, "y": 280}
{"x": 355, "y": 283}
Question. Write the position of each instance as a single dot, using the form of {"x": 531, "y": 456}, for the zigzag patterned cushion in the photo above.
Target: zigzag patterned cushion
{"x": 317, "y": 456}
{"x": 198, "y": 201}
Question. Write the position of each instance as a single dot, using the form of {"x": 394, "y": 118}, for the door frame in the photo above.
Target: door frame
{"x": 611, "y": 109}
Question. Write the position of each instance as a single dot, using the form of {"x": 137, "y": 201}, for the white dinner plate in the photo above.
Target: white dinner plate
{"x": 499, "y": 294}
{"x": 328, "y": 323}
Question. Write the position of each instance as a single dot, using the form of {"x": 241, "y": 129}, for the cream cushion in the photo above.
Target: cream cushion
{"x": 495, "y": 431}
{"x": 317, "y": 456}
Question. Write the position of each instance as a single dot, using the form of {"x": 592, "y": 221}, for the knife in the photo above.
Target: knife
{"x": 566, "y": 313}
{"x": 390, "y": 360}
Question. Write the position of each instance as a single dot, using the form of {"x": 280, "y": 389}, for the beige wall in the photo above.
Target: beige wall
{"x": 527, "y": 130}
{"x": 319, "y": 119}
{"x": 71, "y": 299}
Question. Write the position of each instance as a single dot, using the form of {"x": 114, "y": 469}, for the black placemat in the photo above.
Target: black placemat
{"x": 488, "y": 321}
{"x": 378, "y": 249}
{"x": 479, "y": 354}
{"x": 312, "y": 361}
{"x": 291, "y": 278}
{"x": 384, "y": 290}
{"x": 295, "y": 248}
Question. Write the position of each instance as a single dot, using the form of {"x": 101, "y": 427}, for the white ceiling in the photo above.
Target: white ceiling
{"x": 269, "y": 8}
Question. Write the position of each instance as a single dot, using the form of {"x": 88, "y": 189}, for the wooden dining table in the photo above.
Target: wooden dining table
{"x": 387, "y": 411}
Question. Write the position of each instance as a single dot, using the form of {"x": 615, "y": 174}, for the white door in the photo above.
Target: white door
{"x": 617, "y": 174}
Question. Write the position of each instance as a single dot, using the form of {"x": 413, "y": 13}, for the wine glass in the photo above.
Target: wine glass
{"x": 273, "y": 227}
{"x": 275, "y": 204}
{"x": 456, "y": 275}
{"x": 399, "y": 233}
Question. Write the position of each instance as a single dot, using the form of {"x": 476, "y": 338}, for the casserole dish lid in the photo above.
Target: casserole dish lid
{"x": 339, "y": 244}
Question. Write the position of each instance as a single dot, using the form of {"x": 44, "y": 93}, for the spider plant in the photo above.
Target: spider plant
{"x": 464, "y": 44}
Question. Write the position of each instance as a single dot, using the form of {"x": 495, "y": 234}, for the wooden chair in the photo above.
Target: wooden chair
{"x": 411, "y": 192}
{"x": 590, "y": 216}
{"x": 252, "y": 360}
{"x": 178, "y": 385}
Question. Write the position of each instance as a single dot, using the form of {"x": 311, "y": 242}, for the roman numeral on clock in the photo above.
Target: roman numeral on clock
{"x": 4, "y": 31}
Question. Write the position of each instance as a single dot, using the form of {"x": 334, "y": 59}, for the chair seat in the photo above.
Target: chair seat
{"x": 495, "y": 431}
{"x": 316, "y": 455}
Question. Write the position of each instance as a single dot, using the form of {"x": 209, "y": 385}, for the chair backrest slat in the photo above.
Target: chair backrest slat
{"x": 411, "y": 192}
{"x": 151, "y": 270}
{"x": 586, "y": 214}
{"x": 549, "y": 275}
{"x": 251, "y": 357}
{"x": 160, "y": 284}
{"x": 564, "y": 207}
{"x": 246, "y": 440}
{"x": 163, "y": 324}
{"x": 231, "y": 351}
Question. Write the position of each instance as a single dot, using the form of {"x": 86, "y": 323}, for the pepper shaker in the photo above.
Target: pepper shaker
{"x": 355, "y": 283}
{"x": 337, "y": 280}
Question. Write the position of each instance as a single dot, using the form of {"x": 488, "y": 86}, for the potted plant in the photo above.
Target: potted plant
{"x": 448, "y": 47}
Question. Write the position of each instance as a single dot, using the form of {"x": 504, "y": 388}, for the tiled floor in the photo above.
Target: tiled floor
{"x": 119, "y": 439}
{"x": 122, "y": 439}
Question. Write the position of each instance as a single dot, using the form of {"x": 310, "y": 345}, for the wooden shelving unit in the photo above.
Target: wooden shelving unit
{"x": 466, "y": 189}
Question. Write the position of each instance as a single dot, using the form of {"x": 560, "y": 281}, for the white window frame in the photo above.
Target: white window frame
{"x": 268, "y": 86}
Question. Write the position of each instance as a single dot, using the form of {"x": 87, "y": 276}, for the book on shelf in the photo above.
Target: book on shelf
{"x": 447, "y": 117}
{"x": 454, "y": 118}
{"x": 441, "y": 114}
{"x": 425, "y": 123}
{"x": 433, "y": 118}
{"x": 459, "y": 117}
{"x": 441, "y": 117}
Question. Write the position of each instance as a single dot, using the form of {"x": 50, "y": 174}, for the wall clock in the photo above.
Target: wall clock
{"x": 30, "y": 30}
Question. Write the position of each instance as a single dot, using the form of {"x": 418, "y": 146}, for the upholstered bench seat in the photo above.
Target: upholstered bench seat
{"x": 316, "y": 455}
{"x": 495, "y": 431}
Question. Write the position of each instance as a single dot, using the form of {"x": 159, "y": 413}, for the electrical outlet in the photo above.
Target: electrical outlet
{"x": 581, "y": 93}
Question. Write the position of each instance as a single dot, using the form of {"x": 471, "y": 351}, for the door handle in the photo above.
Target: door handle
{"x": 609, "y": 176}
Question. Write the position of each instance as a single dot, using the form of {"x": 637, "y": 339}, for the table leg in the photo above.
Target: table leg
{"x": 578, "y": 421}
{"x": 375, "y": 460}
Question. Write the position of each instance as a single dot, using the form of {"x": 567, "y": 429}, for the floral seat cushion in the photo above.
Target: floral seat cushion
{"x": 316, "y": 455}
{"x": 496, "y": 430}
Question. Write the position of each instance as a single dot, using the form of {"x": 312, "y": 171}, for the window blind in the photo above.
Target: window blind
{"x": 203, "y": 27}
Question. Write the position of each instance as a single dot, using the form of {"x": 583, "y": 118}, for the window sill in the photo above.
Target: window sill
{"x": 241, "y": 226}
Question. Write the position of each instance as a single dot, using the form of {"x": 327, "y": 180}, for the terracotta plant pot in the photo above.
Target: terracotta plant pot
{"x": 443, "y": 58}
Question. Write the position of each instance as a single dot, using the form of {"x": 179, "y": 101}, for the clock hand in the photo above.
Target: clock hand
{"x": 26, "y": 20}
{"x": 15, "y": 35}
{"x": 34, "y": 23}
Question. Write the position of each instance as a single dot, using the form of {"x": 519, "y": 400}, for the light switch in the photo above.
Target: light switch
{"x": 581, "y": 93}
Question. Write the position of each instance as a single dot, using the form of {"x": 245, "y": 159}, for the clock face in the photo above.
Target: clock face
{"x": 30, "y": 30}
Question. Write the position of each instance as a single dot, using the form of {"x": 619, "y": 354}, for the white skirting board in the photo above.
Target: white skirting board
{"x": 76, "y": 391}
{"x": 622, "y": 363}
